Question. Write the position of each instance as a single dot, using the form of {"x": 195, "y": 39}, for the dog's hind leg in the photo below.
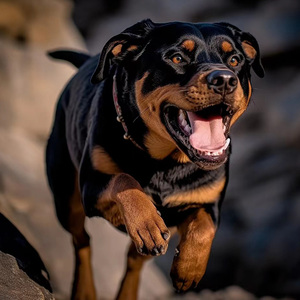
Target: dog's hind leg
{"x": 83, "y": 285}
{"x": 130, "y": 282}
{"x": 63, "y": 180}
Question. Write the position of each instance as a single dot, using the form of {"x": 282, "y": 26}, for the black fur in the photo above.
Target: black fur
{"x": 87, "y": 110}
{"x": 86, "y": 116}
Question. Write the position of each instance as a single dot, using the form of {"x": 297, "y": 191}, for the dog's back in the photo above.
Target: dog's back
{"x": 74, "y": 107}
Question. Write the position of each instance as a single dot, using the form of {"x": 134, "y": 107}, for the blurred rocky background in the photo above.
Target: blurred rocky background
{"x": 256, "y": 253}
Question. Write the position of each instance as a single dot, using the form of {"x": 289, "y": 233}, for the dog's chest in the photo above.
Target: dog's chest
{"x": 186, "y": 184}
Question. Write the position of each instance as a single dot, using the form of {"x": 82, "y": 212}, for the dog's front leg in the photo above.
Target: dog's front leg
{"x": 123, "y": 202}
{"x": 129, "y": 286}
{"x": 142, "y": 220}
{"x": 197, "y": 232}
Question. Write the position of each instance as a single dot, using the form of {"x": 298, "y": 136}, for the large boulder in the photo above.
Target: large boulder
{"x": 23, "y": 273}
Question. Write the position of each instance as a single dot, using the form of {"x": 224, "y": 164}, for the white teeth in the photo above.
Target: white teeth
{"x": 216, "y": 152}
{"x": 184, "y": 124}
{"x": 188, "y": 129}
{"x": 181, "y": 115}
{"x": 226, "y": 144}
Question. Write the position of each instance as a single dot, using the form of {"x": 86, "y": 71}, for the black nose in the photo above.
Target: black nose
{"x": 222, "y": 81}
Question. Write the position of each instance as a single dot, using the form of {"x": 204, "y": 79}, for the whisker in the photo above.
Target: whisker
{"x": 142, "y": 112}
{"x": 179, "y": 90}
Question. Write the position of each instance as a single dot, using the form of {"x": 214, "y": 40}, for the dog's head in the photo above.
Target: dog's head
{"x": 190, "y": 83}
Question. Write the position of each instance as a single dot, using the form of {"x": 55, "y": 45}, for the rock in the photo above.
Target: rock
{"x": 23, "y": 273}
{"x": 15, "y": 284}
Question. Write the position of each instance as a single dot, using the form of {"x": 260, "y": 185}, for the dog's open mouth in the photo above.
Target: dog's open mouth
{"x": 201, "y": 135}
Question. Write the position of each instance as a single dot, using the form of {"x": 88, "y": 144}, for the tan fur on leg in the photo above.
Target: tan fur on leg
{"x": 130, "y": 282}
{"x": 83, "y": 286}
{"x": 189, "y": 265}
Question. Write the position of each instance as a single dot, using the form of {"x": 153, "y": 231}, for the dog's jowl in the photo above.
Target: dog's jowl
{"x": 141, "y": 138}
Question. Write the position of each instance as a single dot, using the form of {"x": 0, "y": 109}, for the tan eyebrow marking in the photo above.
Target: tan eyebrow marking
{"x": 188, "y": 45}
{"x": 226, "y": 46}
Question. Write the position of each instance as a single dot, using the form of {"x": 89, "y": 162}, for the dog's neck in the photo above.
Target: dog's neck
{"x": 120, "y": 117}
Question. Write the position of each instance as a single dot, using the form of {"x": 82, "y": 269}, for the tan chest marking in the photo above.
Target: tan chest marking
{"x": 103, "y": 163}
{"x": 204, "y": 194}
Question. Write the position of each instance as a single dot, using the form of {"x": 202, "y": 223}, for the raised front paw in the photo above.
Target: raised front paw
{"x": 149, "y": 233}
{"x": 146, "y": 228}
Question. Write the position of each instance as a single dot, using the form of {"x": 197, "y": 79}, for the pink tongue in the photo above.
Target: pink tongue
{"x": 207, "y": 133}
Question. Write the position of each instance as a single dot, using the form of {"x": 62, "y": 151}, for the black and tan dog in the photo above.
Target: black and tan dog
{"x": 141, "y": 138}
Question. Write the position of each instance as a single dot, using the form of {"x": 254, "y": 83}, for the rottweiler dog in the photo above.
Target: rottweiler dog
{"x": 141, "y": 138}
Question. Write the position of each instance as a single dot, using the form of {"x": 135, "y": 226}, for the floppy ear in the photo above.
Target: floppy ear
{"x": 127, "y": 44}
{"x": 251, "y": 49}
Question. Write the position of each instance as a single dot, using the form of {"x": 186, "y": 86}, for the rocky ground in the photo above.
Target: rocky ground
{"x": 256, "y": 251}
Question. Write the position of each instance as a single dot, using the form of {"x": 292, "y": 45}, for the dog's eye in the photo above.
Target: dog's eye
{"x": 234, "y": 60}
{"x": 177, "y": 59}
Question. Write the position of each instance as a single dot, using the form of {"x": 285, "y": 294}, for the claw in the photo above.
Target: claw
{"x": 140, "y": 250}
{"x": 166, "y": 236}
{"x": 155, "y": 251}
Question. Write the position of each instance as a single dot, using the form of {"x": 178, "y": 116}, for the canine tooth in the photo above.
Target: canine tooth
{"x": 183, "y": 122}
{"x": 181, "y": 115}
{"x": 227, "y": 143}
{"x": 187, "y": 129}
